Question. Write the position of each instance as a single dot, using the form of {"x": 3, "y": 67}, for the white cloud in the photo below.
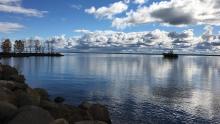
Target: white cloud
{"x": 108, "y": 12}
{"x": 9, "y": 1}
{"x": 173, "y": 12}
{"x": 140, "y": 1}
{"x": 6, "y": 27}
{"x": 147, "y": 41}
{"x": 14, "y": 6}
{"x": 126, "y": 1}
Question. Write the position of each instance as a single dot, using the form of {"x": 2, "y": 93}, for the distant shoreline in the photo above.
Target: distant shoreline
{"x": 141, "y": 53}
{"x": 8, "y": 55}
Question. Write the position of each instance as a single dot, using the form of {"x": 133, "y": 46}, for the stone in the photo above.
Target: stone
{"x": 60, "y": 121}
{"x": 70, "y": 113}
{"x": 49, "y": 105}
{"x": 7, "y": 111}
{"x": 17, "y": 78}
{"x": 27, "y": 98}
{"x": 43, "y": 93}
{"x": 85, "y": 105}
{"x": 90, "y": 122}
{"x": 59, "y": 100}
{"x": 11, "y": 85}
{"x": 32, "y": 115}
{"x": 7, "y": 84}
{"x": 7, "y": 71}
{"x": 7, "y": 95}
{"x": 97, "y": 111}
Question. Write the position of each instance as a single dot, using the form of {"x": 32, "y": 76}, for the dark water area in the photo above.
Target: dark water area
{"x": 137, "y": 89}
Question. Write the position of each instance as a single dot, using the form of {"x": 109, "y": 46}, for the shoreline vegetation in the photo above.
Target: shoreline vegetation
{"x": 27, "y": 48}
{"x": 8, "y": 55}
{"x": 21, "y": 104}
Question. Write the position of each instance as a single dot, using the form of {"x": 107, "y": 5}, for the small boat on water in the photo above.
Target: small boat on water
{"x": 170, "y": 55}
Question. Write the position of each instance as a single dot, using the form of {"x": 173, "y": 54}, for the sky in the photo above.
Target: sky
{"x": 103, "y": 23}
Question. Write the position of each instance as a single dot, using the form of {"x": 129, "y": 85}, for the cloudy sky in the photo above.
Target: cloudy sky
{"x": 114, "y": 24}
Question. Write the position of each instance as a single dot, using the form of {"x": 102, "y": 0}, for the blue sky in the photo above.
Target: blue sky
{"x": 65, "y": 16}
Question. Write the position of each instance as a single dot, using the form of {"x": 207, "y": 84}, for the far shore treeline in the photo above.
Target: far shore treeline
{"x": 27, "y": 46}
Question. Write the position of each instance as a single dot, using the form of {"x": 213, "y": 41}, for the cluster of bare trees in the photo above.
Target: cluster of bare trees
{"x": 27, "y": 46}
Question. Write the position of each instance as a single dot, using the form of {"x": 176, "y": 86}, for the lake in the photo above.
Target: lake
{"x": 137, "y": 89}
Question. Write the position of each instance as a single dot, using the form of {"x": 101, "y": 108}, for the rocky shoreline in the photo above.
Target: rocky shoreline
{"x": 21, "y": 104}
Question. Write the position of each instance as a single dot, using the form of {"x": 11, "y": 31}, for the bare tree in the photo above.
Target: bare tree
{"x": 37, "y": 46}
{"x": 19, "y": 46}
{"x": 6, "y": 46}
{"x": 30, "y": 44}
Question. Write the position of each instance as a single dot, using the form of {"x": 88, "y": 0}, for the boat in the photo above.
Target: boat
{"x": 170, "y": 55}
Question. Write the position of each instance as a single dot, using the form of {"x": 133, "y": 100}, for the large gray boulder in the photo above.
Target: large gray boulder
{"x": 32, "y": 115}
{"x": 7, "y": 111}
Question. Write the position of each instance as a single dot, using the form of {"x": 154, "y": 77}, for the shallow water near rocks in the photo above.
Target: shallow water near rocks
{"x": 137, "y": 89}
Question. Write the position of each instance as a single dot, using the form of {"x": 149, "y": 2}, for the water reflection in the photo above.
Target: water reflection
{"x": 136, "y": 88}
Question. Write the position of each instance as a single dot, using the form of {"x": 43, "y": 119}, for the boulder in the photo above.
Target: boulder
{"x": 48, "y": 104}
{"x": 59, "y": 100}
{"x": 17, "y": 78}
{"x": 7, "y": 84}
{"x": 27, "y": 98}
{"x": 7, "y": 95}
{"x": 60, "y": 121}
{"x": 90, "y": 122}
{"x": 32, "y": 115}
{"x": 97, "y": 111}
{"x": 7, "y": 111}
{"x": 70, "y": 113}
{"x": 43, "y": 93}
{"x": 7, "y": 71}
{"x": 11, "y": 85}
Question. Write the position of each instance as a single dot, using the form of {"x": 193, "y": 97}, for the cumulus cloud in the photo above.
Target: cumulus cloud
{"x": 8, "y": 1}
{"x": 108, "y": 12}
{"x": 172, "y": 12}
{"x": 14, "y": 6}
{"x": 147, "y": 41}
{"x": 156, "y": 41}
{"x": 6, "y": 27}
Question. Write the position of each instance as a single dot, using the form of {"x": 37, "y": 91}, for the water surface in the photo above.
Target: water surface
{"x": 137, "y": 89}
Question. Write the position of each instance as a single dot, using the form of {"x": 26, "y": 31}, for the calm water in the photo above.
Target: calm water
{"x": 137, "y": 89}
